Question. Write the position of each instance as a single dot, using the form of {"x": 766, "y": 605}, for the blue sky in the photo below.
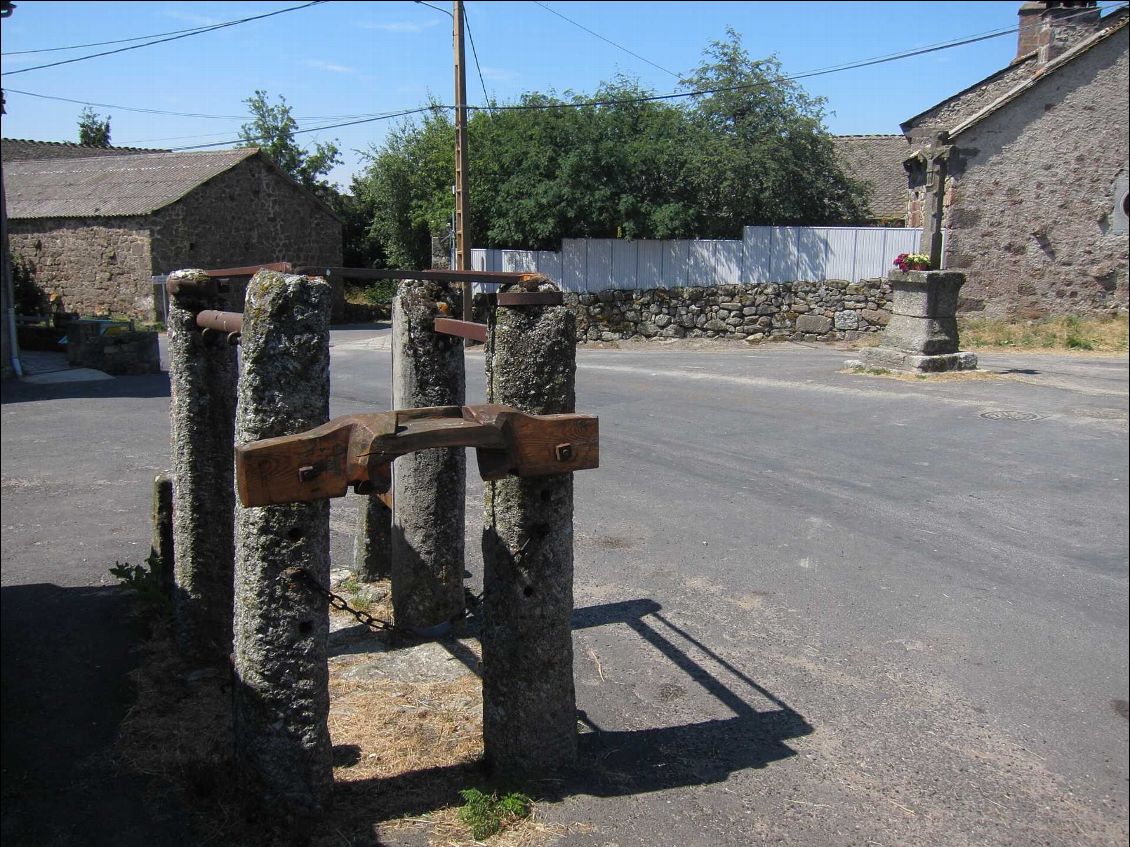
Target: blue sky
{"x": 349, "y": 58}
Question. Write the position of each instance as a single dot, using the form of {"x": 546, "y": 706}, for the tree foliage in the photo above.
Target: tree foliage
{"x": 272, "y": 130}
{"x": 749, "y": 147}
{"x": 93, "y": 129}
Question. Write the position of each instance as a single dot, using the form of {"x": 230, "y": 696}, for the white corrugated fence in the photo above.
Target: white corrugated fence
{"x": 765, "y": 254}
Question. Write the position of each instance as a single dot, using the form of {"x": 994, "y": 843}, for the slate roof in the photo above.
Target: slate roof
{"x": 19, "y": 149}
{"x": 877, "y": 160}
{"x": 1119, "y": 24}
{"x": 110, "y": 186}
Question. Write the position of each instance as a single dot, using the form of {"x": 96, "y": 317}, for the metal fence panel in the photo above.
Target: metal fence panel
{"x": 676, "y": 263}
{"x": 650, "y": 264}
{"x": 574, "y": 264}
{"x": 841, "y": 253}
{"x": 599, "y": 277}
{"x": 765, "y": 254}
{"x": 625, "y": 264}
{"x": 757, "y": 252}
{"x": 812, "y": 253}
{"x": 549, "y": 264}
{"x": 728, "y": 262}
{"x": 783, "y": 254}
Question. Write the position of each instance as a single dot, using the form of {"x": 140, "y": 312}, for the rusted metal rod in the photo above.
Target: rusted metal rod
{"x": 229, "y": 322}
{"x": 437, "y": 275}
{"x": 462, "y": 329}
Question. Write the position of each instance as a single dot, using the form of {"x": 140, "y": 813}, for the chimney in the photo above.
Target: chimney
{"x": 1053, "y": 27}
{"x": 1028, "y": 35}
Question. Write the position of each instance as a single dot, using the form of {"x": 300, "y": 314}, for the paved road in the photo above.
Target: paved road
{"x": 813, "y": 607}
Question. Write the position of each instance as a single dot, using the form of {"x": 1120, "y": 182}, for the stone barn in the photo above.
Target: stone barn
{"x": 97, "y": 226}
{"x": 1036, "y": 159}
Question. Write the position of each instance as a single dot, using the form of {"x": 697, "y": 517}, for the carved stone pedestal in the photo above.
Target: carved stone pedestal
{"x": 922, "y": 334}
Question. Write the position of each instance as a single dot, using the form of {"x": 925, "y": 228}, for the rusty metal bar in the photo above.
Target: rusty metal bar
{"x": 530, "y": 298}
{"x": 250, "y": 270}
{"x": 437, "y": 275}
{"x": 229, "y": 322}
{"x": 463, "y": 329}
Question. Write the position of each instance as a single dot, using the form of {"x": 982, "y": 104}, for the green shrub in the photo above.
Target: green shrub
{"x": 487, "y": 814}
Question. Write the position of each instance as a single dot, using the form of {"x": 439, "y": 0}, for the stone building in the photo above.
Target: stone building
{"x": 98, "y": 226}
{"x": 1036, "y": 160}
{"x": 877, "y": 161}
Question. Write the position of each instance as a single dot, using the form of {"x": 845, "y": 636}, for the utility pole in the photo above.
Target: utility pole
{"x": 462, "y": 247}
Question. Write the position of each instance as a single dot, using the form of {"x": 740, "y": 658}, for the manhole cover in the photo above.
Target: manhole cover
{"x": 1007, "y": 415}
{"x": 1101, "y": 414}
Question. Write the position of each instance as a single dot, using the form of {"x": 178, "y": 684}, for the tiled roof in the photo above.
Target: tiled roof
{"x": 877, "y": 161}
{"x": 19, "y": 149}
{"x": 110, "y": 186}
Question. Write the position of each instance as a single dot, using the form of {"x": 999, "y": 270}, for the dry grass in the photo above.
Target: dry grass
{"x": 403, "y": 751}
{"x": 1064, "y": 333}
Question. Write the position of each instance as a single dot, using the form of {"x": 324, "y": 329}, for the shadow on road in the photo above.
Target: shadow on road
{"x": 148, "y": 385}
{"x": 66, "y": 653}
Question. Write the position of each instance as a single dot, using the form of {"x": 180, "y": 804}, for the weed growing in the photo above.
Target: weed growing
{"x": 1070, "y": 332}
{"x": 147, "y": 584}
{"x": 486, "y": 814}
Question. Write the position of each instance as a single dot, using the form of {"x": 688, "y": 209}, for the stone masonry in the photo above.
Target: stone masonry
{"x": 829, "y": 310}
{"x": 249, "y": 213}
{"x": 1031, "y": 208}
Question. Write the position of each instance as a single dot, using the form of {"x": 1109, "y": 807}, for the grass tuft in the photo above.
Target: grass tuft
{"x": 1069, "y": 332}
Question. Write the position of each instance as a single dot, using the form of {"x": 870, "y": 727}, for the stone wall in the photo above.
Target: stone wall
{"x": 96, "y": 265}
{"x": 801, "y": 311}
{"x": 250, "y": 213}
{"x": 1031, "y": 207}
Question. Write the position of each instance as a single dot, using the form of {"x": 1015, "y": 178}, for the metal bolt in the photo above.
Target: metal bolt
{"x": 564, "y": 452}
{"x": 308, "y": 472}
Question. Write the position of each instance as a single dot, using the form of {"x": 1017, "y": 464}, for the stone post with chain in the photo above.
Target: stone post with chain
{"x": 529, "y": 702}
{"x": 282, "y": 744}
{"x": 202, "y": 374}
{"x": 429, "y": 497}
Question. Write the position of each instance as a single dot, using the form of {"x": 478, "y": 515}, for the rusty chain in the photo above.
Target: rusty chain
{"x": 307, "y": 579}
{"x": 374, "y": 624}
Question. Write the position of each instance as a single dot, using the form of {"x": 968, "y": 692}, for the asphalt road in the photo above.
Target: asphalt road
{"x": 812, "y": 607}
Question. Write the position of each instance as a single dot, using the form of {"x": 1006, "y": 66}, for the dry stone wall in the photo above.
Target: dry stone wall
{"x": 96, "y": 265}
{"x": 801, "y": 311}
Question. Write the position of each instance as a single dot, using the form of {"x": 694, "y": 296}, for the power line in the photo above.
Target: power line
{"x": 107, "y": 43}
{"x": 606, "y": 40}
{"x": 475, "y": 53}
{"x": 383, "y": 117}
{"x": 175, "y": 114}
{"x": 188, "y": 34}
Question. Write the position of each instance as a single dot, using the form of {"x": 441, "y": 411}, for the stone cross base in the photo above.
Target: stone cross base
{"x": 922, "y": 333}
{"x": 901, "y": 360}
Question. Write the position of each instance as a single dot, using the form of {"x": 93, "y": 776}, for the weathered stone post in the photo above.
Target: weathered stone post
{"x": 161, "y": 543}
{"x": 429, "y": 494}
{"x": 202, "y": 373}
{"x": 922, "y": 333}
{"x": 529, "y": 703}
{"x": 282, "y": 744}
{"x": 372, "y": 545}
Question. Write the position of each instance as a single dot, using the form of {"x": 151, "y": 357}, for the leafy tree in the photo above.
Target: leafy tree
{"x": 93, "y": 129}
{"x": 272, "y": 130}
{"x": 749, "y": 147}
{"x": 761, "y": 153}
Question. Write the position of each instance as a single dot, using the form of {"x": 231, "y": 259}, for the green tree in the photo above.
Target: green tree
{"x": 93, "y": 129}
{"x": 272, "y": 130}
{"x": 761, "y": 154}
